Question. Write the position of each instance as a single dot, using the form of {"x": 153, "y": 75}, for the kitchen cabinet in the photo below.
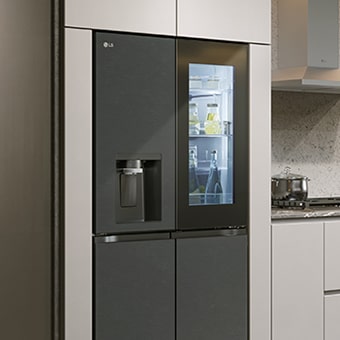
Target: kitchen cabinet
{"x": 244, "y": 20}
{"x": 332, "y": 255}
{"x": 332, "y": 279}
{"x": 79, "y": 311}
{"x": 142, "y": 16}
{"x": 78, "y": 185}
{"x": 332, "y": 317}
{"x": 259, "y": 218}
{"x": 297, "y": 281}
{"x": 70, "y": 165}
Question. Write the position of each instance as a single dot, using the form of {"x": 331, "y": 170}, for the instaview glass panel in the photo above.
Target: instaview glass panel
{"x": 210, "y": 149}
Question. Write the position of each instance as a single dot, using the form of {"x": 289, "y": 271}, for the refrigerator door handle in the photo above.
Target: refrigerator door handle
{"x": 210, "y": 233}
{"x": 132, "y": 237}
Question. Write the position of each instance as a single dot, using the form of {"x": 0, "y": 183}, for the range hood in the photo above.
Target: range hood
{"x": 308, "y": 46}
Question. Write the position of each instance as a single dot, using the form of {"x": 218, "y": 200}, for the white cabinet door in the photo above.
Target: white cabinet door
{"x": 242, "y": 20}
{"x": 332, "y": 255}
{"x": 332, "y": 317}
{"x": 144, "y": 16}
{"x": 297, "y": 279}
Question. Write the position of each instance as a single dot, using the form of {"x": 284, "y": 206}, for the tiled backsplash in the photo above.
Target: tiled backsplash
{"x": 306, "y": 137}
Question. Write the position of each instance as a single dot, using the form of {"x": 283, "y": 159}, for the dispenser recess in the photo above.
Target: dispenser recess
{"x": 138, "y": 190}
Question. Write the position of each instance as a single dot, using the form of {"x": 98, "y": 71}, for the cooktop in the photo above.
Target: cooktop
{"x": 310, "y": 202}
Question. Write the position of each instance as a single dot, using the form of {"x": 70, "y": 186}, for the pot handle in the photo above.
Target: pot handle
{"x": 276, "y": 182}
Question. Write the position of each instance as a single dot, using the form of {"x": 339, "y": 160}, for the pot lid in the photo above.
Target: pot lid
{"x": 286, "y": 174}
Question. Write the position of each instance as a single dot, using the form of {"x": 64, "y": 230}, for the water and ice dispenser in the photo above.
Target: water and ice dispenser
{"x": 131, "y": 191}
{"x": 138, "y": 190}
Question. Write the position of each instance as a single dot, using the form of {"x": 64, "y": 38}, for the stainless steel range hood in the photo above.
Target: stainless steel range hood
{"x": 308, "y": 46}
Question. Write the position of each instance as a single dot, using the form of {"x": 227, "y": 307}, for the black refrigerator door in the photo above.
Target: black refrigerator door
{"x": 134, "y": 132}
{"x": 213, "y": 134}
{"x": 135, "y": 290}
{"x": 212, "y": 288}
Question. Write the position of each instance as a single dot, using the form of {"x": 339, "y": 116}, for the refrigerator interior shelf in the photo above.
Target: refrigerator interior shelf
{"x": 203, "y": 93}
{"x": 210, "y": 136}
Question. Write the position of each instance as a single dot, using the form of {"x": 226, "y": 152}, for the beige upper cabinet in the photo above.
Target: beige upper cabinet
{"x": 142, "y": 16}
{"x": 234, "y": 20}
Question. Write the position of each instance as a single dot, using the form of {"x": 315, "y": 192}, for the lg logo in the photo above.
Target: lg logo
{"x": 107, "y": 44}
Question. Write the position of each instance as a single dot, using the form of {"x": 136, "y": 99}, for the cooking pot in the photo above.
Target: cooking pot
{"x": 288, "y": 186}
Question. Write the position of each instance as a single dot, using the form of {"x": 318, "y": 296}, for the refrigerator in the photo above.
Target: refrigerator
{"x": 171, "y": 168}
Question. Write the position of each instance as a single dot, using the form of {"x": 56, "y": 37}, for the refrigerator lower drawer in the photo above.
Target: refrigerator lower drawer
{"x": 189, "y": 286}
{"x": 134, "y": 290}
{"x": 212, "y": 288}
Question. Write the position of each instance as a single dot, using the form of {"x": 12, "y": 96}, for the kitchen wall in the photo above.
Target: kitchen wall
{"x": 306, "y": 133}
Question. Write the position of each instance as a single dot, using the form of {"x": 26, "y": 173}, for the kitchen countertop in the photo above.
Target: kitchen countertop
{"x": 293, "y": 213}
